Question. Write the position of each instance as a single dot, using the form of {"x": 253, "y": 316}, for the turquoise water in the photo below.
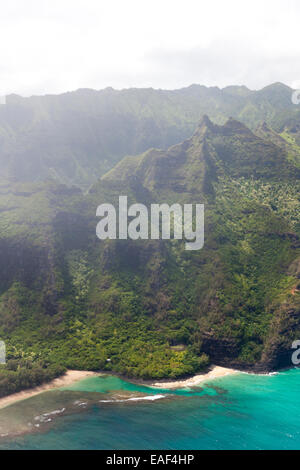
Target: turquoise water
{"x": 235, "y": 412}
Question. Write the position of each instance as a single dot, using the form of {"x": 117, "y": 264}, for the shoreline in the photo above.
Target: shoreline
{"x": 73, "y": 376}
{"x": 69, "y": 378}
{"x": 215, "y": 372}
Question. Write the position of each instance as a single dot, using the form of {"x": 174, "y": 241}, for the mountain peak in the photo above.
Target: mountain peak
{"x": 205, "y": 121}
{"x": 204, "y": 125}
{"x": 267, "y": 133}
{"x": 277, "y": 94}
{"x": 277, "y": 86}
{"x": 237, "y": 90}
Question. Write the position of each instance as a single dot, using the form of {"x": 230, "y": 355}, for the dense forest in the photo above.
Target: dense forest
{"x": 149, "y": 308}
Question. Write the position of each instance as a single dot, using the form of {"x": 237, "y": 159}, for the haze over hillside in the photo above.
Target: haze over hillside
{"x": 76, "y": 137}
{"x": 154, "y": 309}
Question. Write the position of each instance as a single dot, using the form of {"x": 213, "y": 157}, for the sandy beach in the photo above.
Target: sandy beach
{"x": 70, "y": 377}
{"x": 214, "y": 373}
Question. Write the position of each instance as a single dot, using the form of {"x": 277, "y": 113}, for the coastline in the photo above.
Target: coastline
{"x": 69, "y": 378}
{"x": 214, "y": 373}
{"x": 73, "y": 376}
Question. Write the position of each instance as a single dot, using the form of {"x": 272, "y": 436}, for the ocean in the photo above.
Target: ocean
{"x": 240, "y": 411}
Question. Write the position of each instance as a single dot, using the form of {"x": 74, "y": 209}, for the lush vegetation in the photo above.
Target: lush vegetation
{"x": 151, "y": 309}
{"x": 77, "y": 137}
{"x": 20, "y": 374}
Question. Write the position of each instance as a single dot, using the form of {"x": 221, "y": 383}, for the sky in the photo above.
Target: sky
{"x": 53, "y": 46}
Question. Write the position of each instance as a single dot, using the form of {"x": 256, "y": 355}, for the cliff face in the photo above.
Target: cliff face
{"x": 151, "y": 307}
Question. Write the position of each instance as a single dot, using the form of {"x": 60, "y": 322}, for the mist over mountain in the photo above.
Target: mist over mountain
{"x": 78, "y": 136}
{"x": 149, "y": 306}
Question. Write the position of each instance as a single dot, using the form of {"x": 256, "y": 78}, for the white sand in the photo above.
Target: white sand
{"x": 70, "y": 377}
{"x": 214, "y": 373}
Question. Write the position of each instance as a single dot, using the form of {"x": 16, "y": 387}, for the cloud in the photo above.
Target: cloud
{"x": 51, "y": 46}
{"x": 223, "y": 63}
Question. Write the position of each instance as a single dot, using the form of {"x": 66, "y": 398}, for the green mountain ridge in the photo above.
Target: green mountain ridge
{"x": 149, "y": 308}
{"x": 78, "y": 136}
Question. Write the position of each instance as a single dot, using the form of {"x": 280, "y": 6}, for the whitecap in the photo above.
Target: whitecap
{"x": 147, "y": 397}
